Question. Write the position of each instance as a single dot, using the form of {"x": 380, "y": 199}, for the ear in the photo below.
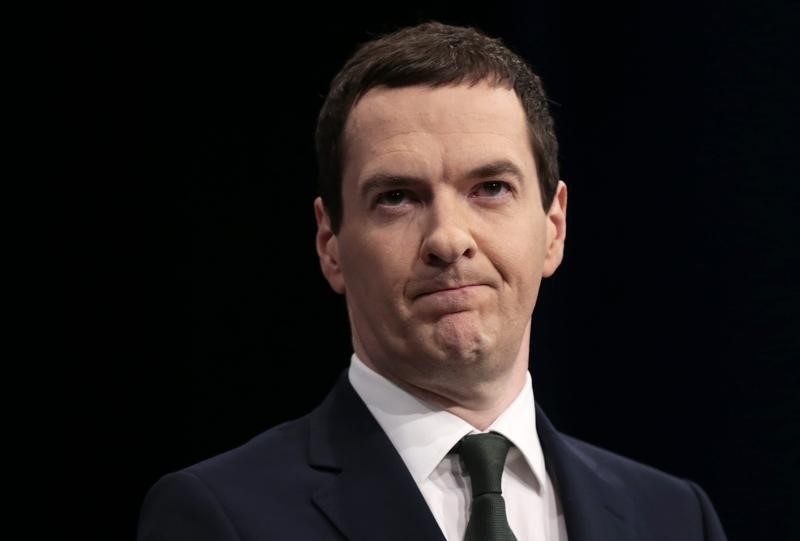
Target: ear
{"x": 328, "y": 248}
{"x": 556, "y": 230}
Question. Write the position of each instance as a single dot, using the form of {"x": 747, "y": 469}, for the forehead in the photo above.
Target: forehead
{"x": 390, "y": 122}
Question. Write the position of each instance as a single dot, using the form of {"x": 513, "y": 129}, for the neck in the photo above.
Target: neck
{"x": 479, "y": 400}
{"x": 483, "y": 406}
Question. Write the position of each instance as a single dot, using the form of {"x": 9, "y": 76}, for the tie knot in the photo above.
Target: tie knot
{"x": 484, "y": 456}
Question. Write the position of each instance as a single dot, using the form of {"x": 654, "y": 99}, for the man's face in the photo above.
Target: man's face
{"x": 444, "y": 240}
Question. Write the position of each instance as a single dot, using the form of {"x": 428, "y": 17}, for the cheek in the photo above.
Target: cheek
{"x": 520, "y": 265}
{"x": 521, "y": 248}
{"x": 374, "y": 270}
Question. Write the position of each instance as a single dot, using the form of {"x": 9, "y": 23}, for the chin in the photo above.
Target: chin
{"x": 460, "y": 338}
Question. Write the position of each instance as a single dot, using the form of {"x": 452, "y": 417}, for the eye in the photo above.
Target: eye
{"x": 492, "y": 188}
{"x": 392, "y": 198}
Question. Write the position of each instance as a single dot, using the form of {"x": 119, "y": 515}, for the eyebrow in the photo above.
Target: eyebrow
{"x": 387, "y": 182}
{"x": 495, "y": 169}
{"x": 383, "y": 182}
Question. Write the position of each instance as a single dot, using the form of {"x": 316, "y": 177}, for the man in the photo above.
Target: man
{"x": 440, "y": 212}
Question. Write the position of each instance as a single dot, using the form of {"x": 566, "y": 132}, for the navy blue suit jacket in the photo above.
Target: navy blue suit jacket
{"x": 334, "y": 474}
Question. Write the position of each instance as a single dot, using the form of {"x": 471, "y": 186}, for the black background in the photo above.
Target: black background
{"x": 196, "y": 315}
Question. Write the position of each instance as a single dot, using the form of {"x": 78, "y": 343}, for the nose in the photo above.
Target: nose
{"x": 447, "y": 237}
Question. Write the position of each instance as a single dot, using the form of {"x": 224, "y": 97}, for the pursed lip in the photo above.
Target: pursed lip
{"x": 437, "y": 289}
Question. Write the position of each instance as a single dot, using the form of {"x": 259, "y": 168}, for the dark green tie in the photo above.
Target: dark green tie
{"x": 484, "y": 456}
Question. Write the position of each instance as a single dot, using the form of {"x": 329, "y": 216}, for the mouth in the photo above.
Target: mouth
{"x": 447, "y": 290}
{"x": 450, "y": 300}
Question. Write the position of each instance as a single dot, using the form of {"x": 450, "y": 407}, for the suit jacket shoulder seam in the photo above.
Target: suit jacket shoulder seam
{"x": 216, "y": 500}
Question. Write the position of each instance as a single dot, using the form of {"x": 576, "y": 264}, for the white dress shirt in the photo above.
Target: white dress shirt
{"x": 424, "y": 435}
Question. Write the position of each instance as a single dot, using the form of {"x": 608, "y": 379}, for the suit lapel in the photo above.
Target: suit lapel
{"x": 594, "y": 504}
{"x": 372, "y": 495}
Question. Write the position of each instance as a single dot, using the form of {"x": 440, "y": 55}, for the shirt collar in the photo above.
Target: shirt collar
{"x": 424, "y": 435}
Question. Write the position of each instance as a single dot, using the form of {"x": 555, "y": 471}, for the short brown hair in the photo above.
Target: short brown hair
{"x": 432, "y": 54}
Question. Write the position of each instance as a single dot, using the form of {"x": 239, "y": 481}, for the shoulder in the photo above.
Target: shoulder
{"x": 616, "y": 468}
{"x": 277, "y": 455}
{"x": 657, "y": 497}
{"x": 265, "y": 488}
{"x": 267, "y": 455}
{"x": 218, "y": 497}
